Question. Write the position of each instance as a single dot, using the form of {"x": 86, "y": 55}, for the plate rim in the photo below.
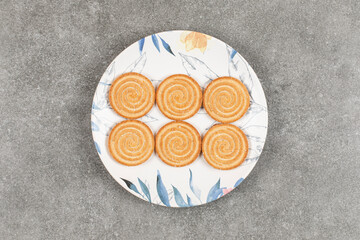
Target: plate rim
{"x": 120, "y": 180}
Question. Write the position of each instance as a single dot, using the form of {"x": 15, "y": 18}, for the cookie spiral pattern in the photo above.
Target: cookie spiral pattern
{"x": 132, "y": 95}
{"x": 179, "y": 97}
{"x": 225, "y": 146}
{"x": 178, "y": 144}
{"x": 226, "y": 99}
{"x": 131, "y": 142}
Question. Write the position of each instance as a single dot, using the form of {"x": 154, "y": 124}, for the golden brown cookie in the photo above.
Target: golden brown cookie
{"x": 132, "y": 95}
{"x": 179, "y": 97}
{"x": 226, "y": 99}
{"x": 178, "y": 143}
{"x": 225, "y": 146}
{"x": 131, "y": 142}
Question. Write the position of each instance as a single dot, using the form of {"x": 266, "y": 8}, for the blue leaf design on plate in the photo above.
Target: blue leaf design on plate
{"x": 130, "y": 185}
{"x": 155, "y": 41}
{"x": 145, "y": 189}
{"x": 106, "y": 84}
{"x": 238, "y": 182}
{"x": 166, "y": 46}
{"x": 193, "y": 188}
{"x": 162, "y": 190}
{"x": 178, "y": 198}
{"x": 97, "y": 147}
{"x": 147, "y": 118}
{"x": 94, "y": 127}
{"x": 189, "y": 201}
{"x": 95, "y": 107}
{"x": 238, "y": 68}
{"x": 141, "y": 45}
{"x": 233, "y": 52}
{"x": 252, "y": 112}
{"x": 197, "y": 69}
{"x": 137, "y": 65}
{"x": 214, "y": 192}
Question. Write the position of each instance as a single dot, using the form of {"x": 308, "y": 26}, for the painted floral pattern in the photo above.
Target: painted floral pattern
{"x": 194, "y": 40}
{"x": 163, "y": 194}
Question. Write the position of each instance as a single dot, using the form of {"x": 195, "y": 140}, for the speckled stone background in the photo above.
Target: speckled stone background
{"x": 306, "y": 183}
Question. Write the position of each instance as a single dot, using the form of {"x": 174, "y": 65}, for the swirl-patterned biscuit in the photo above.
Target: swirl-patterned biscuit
{"x": 225, "y": 146}
{"x": 131, "y": 142}
{"x": 179, "y": 97}
{"x": 226, "y": 99}
{"x": 132, "y": 95}
{"x": 178, "y": 144}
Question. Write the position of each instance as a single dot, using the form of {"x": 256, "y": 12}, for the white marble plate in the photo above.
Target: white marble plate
{"x": 204, "y": 58}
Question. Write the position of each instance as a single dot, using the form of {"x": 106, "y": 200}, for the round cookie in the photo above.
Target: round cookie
{"x": 226, "y": 99}
{"x": 225, "y": 146}
{"x": 178, "y": 143}
{"x": 132, "y": 95}
{"x": 131, "y": 142}
{"x": 179, "y": 97}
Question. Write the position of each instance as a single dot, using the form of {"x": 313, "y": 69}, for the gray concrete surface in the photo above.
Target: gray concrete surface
{"x": 306, "y": 183}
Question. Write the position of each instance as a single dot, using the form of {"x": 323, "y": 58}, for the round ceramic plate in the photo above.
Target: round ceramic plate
{"x": 204, "y": 58}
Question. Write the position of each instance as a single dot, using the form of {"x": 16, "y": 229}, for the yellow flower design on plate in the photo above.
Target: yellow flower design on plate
{"x": 194, "y": 40}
